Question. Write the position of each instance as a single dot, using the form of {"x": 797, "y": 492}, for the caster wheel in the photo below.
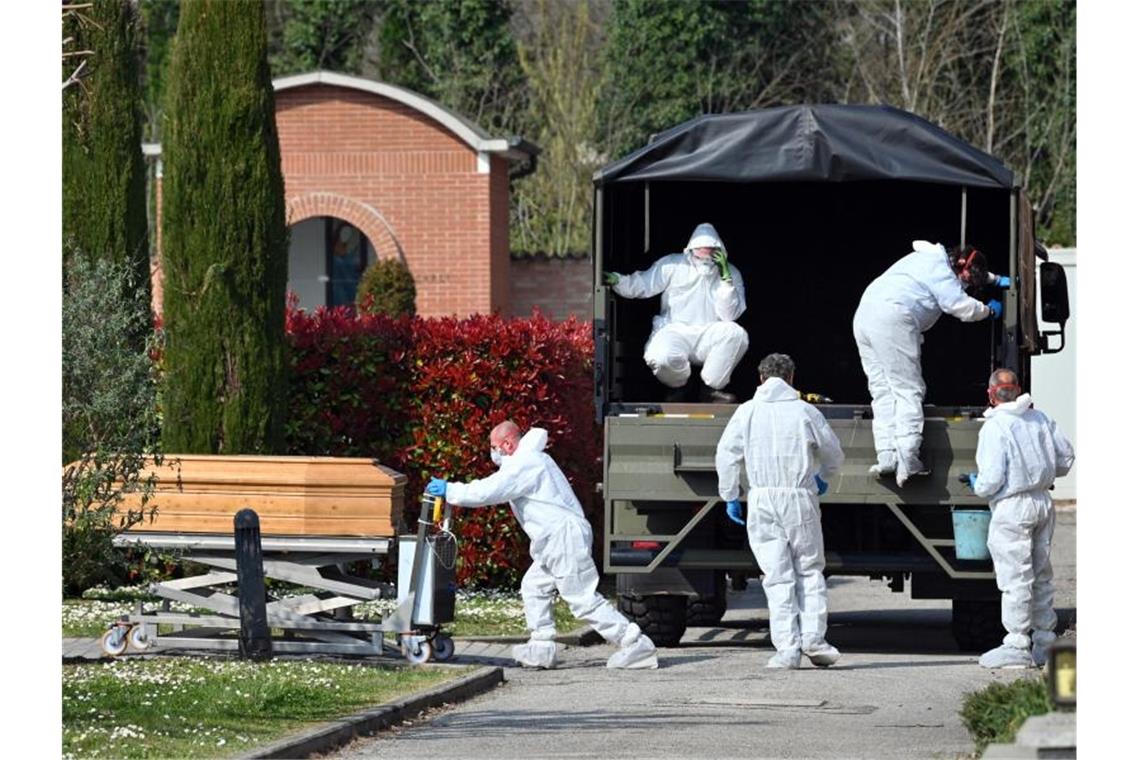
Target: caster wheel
{"x": 444, "y": 647}
{"x": 139, "y": 638}
{"x": 115, "y": 641}
{"x": 417, "y": 649}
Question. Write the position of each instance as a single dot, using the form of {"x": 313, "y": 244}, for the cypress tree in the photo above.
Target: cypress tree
{"x": 104, "y": 174}
{"x": 224, "y": 237}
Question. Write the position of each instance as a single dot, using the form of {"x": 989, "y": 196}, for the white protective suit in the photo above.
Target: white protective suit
{"x": 543, "y": 502}
{"x": 783, "y": 443}
{"x": 1020, "y": 452}
{"x": 698, "y": 313}
{"x": 896, "y": 309}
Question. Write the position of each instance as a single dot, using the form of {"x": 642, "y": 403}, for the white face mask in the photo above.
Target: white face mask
{"x": 703, "y": 264}
{"x": 497, "y": 457}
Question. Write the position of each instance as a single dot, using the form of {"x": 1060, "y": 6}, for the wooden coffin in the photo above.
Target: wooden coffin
{"x": 293, "y": 496}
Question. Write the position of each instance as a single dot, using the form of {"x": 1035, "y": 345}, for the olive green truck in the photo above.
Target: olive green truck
{"x": 813, "y": 202}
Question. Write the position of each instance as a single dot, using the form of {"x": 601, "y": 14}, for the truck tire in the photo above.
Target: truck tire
{"x": 661, "y": 616}
{"x": 708, "y": 610}
{"x": 977, "y": 624}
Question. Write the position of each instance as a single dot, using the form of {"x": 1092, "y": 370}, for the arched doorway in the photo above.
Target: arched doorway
{"x": 327, "y": 257}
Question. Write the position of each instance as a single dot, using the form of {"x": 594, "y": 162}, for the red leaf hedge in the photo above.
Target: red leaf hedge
{"x": 422, "y": 395}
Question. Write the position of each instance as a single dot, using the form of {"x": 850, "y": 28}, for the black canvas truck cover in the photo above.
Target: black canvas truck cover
{"x": 820, "y": 143}
{"x": 813, "y": 202}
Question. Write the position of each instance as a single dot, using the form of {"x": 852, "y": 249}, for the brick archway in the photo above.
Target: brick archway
{"x": 364, "y": 217}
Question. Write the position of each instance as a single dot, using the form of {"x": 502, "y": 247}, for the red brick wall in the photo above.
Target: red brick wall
{"x": 559, "y": 287}
{"x": 409, "y": 183}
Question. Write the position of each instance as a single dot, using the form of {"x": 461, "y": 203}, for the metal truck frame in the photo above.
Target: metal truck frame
{"x": 665, "y": 534}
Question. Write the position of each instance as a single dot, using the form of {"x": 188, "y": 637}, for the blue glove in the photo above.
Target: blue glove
{"x": 821, "y": 484}
{"x": 995, "y": 308}
{"x": 437, "y": 487}
{"x": 1002, "y": 281}
{"x": 973, "y": 476}
{"x": 735, "y": 511}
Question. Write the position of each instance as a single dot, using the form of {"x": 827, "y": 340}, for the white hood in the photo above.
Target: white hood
{"x": 923, "y": 246}
{"x": 775, "y": 389}
{"x": 533, "y": 440}
{"x": 705, "y": 236}
{"x": 1018, "y": 406}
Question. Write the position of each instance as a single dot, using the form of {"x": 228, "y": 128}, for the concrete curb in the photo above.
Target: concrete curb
{"x": 581, "y": 637}
{"x": 335, "y": 733}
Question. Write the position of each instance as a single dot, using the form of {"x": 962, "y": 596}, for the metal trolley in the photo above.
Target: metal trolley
{"x": 317, "y": 619}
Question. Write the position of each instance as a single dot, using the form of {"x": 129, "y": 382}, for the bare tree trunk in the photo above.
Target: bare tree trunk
{"x": 994, "y": 78}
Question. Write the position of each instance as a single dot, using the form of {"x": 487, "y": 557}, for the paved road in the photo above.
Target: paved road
{"x": 895, "y": 693}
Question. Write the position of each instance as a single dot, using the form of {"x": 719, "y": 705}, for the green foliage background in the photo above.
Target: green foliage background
{"x": 104, "y": 175}
{"x": 224, "y": 237}
{"x": 589, "y": 81}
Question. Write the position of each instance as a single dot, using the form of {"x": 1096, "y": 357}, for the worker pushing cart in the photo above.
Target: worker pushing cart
{"x": 546, "y": 508}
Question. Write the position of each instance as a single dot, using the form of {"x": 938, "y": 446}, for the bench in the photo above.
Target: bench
{"x": 316, "y": 514}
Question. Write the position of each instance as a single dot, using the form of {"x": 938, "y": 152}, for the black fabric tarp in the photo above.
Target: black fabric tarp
{"x": 810, "y": 143}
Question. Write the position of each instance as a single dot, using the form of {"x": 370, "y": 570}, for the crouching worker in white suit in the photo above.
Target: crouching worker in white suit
{"x": 560, "y": 539}
{"x": 702, "y": 296}
{"x": 789, "y": 452}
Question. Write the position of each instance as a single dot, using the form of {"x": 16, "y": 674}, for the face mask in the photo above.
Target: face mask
{"x": 993, "y": 389}
{"x": 497, "y": 457}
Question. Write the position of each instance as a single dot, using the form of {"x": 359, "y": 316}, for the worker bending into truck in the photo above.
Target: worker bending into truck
{"x": 895, "y": 310}
{"x": 702, "y": 296}
{"x": 1021, "y": 451}
{"x": 789, "y": 452}
{"x": 560, "y": 540}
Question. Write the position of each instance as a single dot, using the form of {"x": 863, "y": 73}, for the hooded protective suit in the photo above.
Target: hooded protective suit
{"x": 783, "y": 443}
{"x": 1020, "y": 453}
{"x": 896, "y": 309}
{"x": 543, "y": 502}
{"x": 698, "y": 313}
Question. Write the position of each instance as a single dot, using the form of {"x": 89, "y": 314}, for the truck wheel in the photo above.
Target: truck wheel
{"x": 977, "y": 624}
{"x": 661, "y": 617}
{"x": 708, "y": 610}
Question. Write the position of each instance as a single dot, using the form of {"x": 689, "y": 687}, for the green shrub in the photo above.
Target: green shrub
{"x": 994, "y": 714}
{"x": 387, "y": 287}
{"x": 110, "y": 422}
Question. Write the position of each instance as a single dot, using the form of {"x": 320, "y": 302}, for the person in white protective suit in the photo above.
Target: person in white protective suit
{"x": 702, "y": 296}
{"x": 789, "y": 452}
{"x": 895, "y": 310}
{"x": 560, "y": 539}
{"x": 1020, "y": 453}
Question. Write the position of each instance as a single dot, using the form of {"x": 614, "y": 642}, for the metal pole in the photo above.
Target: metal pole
{"x": 254, "y": 642}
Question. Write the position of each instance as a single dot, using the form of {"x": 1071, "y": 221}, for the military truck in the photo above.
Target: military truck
{"x": 812, "y": 202}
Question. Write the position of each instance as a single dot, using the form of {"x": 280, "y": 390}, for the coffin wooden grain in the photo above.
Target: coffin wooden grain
{"x": 293, "y": 496}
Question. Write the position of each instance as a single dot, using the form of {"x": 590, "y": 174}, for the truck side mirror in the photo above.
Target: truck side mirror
{"x": 1054, "y": 293}
{"x": 1054, "y": 303}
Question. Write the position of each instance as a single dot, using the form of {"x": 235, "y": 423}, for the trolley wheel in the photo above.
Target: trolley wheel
{"x": 114, "y": 641}
{"x": 139, "y": 638}
{"x": 417, "y": 649}
{"x": 444, "y": 647}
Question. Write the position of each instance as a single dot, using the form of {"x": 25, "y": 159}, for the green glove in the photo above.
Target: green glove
{"x": 610, "y": 278}
{"x": 720, "y": 258}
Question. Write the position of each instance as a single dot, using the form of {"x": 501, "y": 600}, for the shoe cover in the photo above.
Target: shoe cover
{"x": 822, "y": 655}
{"x": 535, "y": 654}
{"x": 908, "y": 468}
{"x": 640, "y": 654}
{"x": 1006, "y": 656}
{"x": 789, "y": 660}
{"x": 887, "y": 464}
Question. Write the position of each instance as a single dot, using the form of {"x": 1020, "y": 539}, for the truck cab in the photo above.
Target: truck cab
{"x": 812, "y": 202}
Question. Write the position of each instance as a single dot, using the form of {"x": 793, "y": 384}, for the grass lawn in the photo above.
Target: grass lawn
{"x": 477, "y": 613}
{"x": 199, "y": 707}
